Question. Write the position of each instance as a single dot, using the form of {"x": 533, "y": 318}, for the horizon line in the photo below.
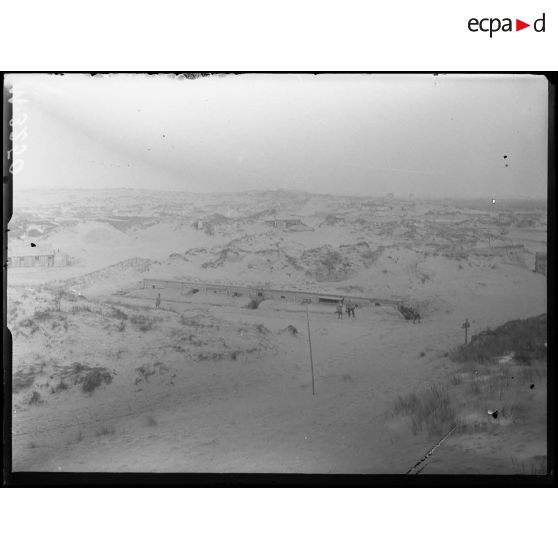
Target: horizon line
{"x": 388, "y": 195}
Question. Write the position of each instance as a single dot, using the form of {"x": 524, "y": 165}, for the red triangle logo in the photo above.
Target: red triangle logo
{"x": 519, "y": 25}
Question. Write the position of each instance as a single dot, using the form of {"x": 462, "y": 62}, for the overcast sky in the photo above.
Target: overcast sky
{"x": 355, "y": 134}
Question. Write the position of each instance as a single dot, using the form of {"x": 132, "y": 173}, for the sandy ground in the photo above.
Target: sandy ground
{"x": 228, "y": 389}
{"x": 257, "y": 414}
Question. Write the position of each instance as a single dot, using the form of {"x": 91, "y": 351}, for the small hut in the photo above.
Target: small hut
{"x": 540, "y": 263}
{"x": 36, "y": 256}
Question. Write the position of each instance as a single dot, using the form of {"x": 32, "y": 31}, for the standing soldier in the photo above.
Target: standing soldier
{"x": 350, "y": 308}
{"x": 339, "y": 310}
{"x": 158, "y": 300}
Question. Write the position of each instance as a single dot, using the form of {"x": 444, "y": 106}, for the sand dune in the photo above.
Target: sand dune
{"x": 103, "y": 380}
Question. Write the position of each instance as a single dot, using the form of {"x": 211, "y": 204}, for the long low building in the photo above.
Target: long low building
{"x": 265, "y": 293}
{"x": 39, "y": 256}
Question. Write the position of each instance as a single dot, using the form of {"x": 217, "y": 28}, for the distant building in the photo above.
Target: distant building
{"x": 333, "y": 219}
{"x": 283, "y": 223}
{"x": 505, "y": 249}
{"x": 504, "y": 219}
{"x": 38, "y": 256}
{"x": 540, "y": 262}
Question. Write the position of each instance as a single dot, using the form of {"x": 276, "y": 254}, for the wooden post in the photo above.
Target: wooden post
{"x": 310, "y": 347}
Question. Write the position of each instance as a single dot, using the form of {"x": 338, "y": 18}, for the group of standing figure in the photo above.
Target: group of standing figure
{"x": 409, "y": 313}
{"x": 350, "y": 307}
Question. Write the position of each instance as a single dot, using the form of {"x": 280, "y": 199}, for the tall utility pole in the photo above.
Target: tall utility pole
{"x": 310, "y": 347}
{"x": 466, "y": 325}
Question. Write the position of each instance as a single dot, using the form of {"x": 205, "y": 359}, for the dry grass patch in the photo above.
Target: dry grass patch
{"x": 35, "y": 399}
{"x": 143, "y": 322}
{"x": 88, "y": 377}
{"x": 107, "y": 430}
{"x": 537, "y": 465}
{"x": 430, "y": 409}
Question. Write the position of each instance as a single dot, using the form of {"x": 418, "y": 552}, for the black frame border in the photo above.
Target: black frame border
{"x": 36, "y": 479}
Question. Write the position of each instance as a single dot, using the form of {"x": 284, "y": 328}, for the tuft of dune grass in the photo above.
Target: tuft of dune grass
{"x": 430, "y": 409}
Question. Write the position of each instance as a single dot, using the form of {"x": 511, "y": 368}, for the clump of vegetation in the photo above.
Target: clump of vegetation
{"x": 118, "y": 314}
{"x": 142, "y": 322}
{"x": 60, "y": 294}
{"x": 77, "y": 309}
{"x": 108, "y": 430}
{"x": 253, "y": 304}
{"x": 193, "y": 340}
{"x": 93, "y": 378}
{"x": 423, "y": 277}
{"x": 456, "y": 380}
{"x": 262, "y": 329}
{"x": 37, "y": 317}
{"x": 58, "y": 299}
{"x": 209, "y": 229}
{"x": 197, "y": 322}
{"x": 525, "y": 338}
{"x": 144, "y": 371}
{"x": 430, "y": 409}
{"x": 537, "y": 465}
{"x": 61, "y": 386}
{"x": 185, "y": 320}
{"x": 43, "y": 317}
{"x": 35, "y": 398}
{"x": 25, "y": 377}
{"x": 328, "y": 264}
{"x": 150, "y": 421}
{"x": 22, "y": 381}
{"x": 210, "y": 356}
